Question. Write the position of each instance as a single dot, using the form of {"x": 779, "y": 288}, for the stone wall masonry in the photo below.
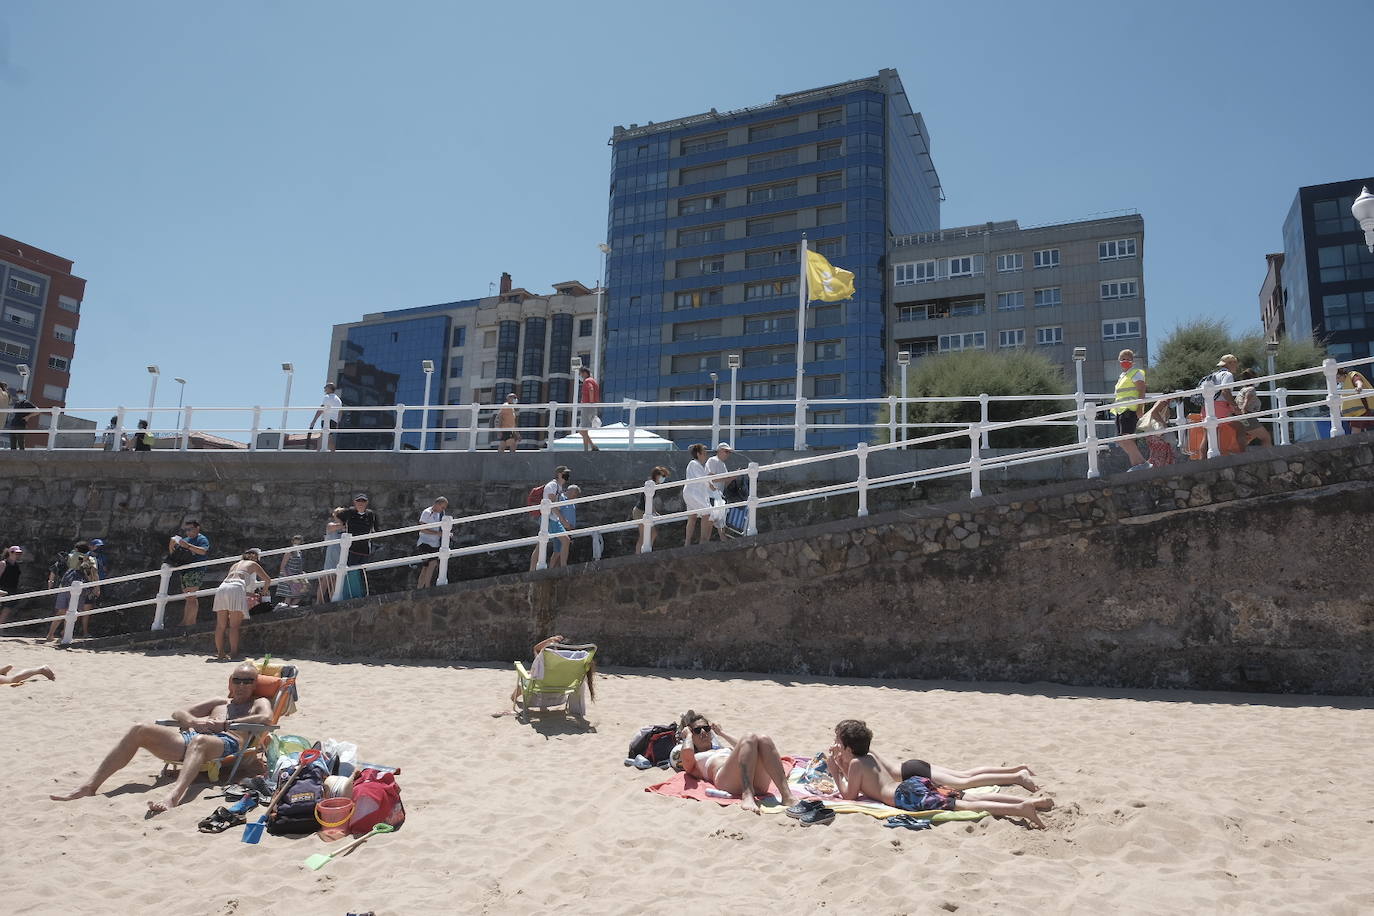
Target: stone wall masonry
{"x": 1241, "y": 573}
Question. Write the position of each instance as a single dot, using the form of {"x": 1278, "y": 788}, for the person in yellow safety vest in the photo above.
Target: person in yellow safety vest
{"x": 1355, "y": 407}
{"x": 1130, "y": 387}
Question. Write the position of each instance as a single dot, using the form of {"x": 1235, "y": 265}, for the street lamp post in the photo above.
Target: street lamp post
{"x": 596, "y": 330}
{"x": 1079, "y": 355}
{"x": 154, "y": 371}
{"x": 732, "y": 360}
{"x": 290, "y": 371}
{"x": 181, "y": 392}
{"x": 577, "y": 395}
{"x": 428, "y": 366}
{"x": 903, "y": 360}
{"x": 1363, "y": 211}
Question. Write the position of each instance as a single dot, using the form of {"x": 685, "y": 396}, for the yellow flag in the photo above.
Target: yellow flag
{"x": 829, "y": 284}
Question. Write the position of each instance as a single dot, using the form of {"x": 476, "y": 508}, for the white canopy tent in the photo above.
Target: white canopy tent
{"x": 616, "y": 437}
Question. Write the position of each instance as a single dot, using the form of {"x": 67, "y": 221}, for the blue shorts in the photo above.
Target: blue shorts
{"x": 555, "y": 526}
{"x": 920, "y": 794}
{"x": 231, "y": 744}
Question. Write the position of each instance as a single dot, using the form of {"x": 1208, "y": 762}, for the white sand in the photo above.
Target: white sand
{"x": 1168, "y": 802}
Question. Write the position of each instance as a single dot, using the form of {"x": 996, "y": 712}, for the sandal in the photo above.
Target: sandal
{"x": 221, "y": 821}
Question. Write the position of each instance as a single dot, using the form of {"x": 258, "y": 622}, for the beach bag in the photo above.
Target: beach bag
{"x": 295, "y": 811}
{"x": 653, "y": 742}
{"x": 376, "y": 800}
{"x": 534, "y": 498}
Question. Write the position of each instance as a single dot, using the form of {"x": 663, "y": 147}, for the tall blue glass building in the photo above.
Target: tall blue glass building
{"x": 1328, "y": 273}
{"x": 706, "y": 218}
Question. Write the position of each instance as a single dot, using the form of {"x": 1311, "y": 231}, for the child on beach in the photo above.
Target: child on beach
{"x": 919, "y": 786}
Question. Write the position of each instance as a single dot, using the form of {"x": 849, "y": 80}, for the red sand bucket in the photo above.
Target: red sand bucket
{"x": 334, "y": 812}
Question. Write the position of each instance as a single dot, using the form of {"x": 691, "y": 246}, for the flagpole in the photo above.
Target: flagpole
{"x": 799, "y": 437}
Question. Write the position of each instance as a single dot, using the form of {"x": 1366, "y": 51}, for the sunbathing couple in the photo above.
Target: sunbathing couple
{"x": 746, "y": 767}
{"x": 203, "y": 732}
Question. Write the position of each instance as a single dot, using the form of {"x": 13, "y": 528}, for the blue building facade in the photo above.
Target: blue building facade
{"x": 707, "y": 214}
{"x": 1328, "y": 273}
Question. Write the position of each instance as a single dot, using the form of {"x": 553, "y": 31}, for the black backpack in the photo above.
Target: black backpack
{"x": 295, "y": 811}
{"x": 654, "y": 742}
{"x": 1196, "y": 401}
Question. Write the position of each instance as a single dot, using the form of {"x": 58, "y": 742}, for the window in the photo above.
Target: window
{"x": 766, "y": 225}
{"x": 68, "y": 303}
{"x": 774, "y": 389}
{"x": 1121, "y": 329}
{"x": 966, "y": 308}
{"x": 62, "y": 332}
{"x": 832, "y": 150}
{"x": 696, "y": 362}
{"x": 827, "y": 316}
{"x": 826, "y": 386}
{"x": 1048, "y": 337}
{"x": 1347, "y": 312}
{"x": 913, "y": 313}
{"x": 1046, "y": 257}
{"x": 913, "y": 272}
{"x": 1014, "y": 338}
{"x": 455, "y": 367}
{"x": 696, "y": 298}
{"x": 961, "y": 266}
{"x": 773, "y": 192}
{"x": 776, "y": 129}
{"x": 700, "y": 235}
{"x": 772, "y": 161}
{"x": 1011, "y": 302}
{"x": 23, "y": 287}
{"x": 1333, "y": 215}
{"x": 771, "y": 257}
{"x": 488, "y": 368}
{"x": 831, "y": 248}
{"x": 584, "y": 327}
{"x": 1050, "y": 296}
{"x": 703, "y": 144}
{"x": 770, "y": 288}
{"x": 22, "y": 317}
{"x": 59, "y": 363}
{"x": 693, "y": 393}
{"x": 1116, "y": 249}
{"x": 692, "y": 205}
{"x": 1345, "y": 262}
{"x": 55, "y": 392}
{"x": 488, "y": 339}
{"x": 773, "y": 356}
{"x": 827, "y": 418}
{"x": 586, "y": 358}
{"x": 1007, "y": 263}
{"x": 637, "y": 241}
{"x": 17, "y": 350}
{"x": 974, "y": 340}
{"x": 694, "y": 330}
{"x": 455, "y": 396}
{"x": 702, "y": 173}
{"x": 832, "y": 181}
{"x": 829, "y": 117}
{"x": 826, "y": 349}
{"x": 1119, "y": 289}
{"x": 829, "y": 216}
{"x": 695, "y": 267}
{"x": 767, "y": 324}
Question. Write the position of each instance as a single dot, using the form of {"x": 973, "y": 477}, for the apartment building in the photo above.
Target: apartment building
{"x": 40, "y": 310}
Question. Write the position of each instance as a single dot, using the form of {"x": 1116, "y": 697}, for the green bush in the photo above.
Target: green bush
{"x": 1191, "y": 351}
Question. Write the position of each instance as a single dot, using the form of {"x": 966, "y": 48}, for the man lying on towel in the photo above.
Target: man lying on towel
{"x": 857, "y": 772}
{"x": 204, "y": 732}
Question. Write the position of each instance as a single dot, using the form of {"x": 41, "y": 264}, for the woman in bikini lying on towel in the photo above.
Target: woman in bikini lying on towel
{"x": 744, "y": 767}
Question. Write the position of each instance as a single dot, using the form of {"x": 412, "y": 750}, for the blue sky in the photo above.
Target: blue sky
{"x": 233, "y": 178}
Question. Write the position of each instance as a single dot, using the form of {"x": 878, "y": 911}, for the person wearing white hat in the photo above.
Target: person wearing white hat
{"x": 716, "y": 465}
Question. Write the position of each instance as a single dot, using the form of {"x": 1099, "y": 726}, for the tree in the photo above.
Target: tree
{"x": 973, "y": 372}
{"x": 1191, "y": 351}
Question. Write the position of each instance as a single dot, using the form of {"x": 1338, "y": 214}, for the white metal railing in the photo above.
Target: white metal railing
{"x": 1330, "y": 399}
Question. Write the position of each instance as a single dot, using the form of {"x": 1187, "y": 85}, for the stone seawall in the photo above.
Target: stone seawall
{"x": 1240, "y": 573}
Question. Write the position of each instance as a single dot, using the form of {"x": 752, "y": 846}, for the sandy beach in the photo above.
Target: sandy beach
{"x": 1166, "y": 802}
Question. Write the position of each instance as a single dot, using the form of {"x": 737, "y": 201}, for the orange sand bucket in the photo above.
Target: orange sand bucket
{"x": 334, "y": 812}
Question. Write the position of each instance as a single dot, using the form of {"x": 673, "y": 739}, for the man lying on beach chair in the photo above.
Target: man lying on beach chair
{"x": 560, "y": 675}
{"x": 201, "y": 734}
{"x": 280, "y": 691}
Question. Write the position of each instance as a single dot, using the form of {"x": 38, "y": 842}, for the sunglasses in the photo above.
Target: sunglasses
{"x": 243, "y": 680}
{"x": 700, "y": 729}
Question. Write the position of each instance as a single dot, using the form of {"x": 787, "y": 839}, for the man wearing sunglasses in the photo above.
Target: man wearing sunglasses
{"x": 202, "y": 733}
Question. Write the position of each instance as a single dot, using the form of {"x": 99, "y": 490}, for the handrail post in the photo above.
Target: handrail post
{"x": 119, "y": 430}
{"x": 862, "y": 479}
{"x": 446, "y": 530}
{"x": 1333, "y": 397}
{"x": 551, "y": 431}
{"x": 400, "y": 427}
{"x": 975, "y": 461}
{"x": 715, "y": 421}
{"x": 253, "y": 434}
{"x": 983, "y": 418}
{"x": 341, "y": 567}
{"x": 543, "y": 546}
{"x": 185, "y": 429}
{"x": 1088, "y": 416}
{"x": 799, "y": 433}
{"x": 892, "y": 418}
{"x": 1281, "y": 395}
{"x": 1180, "y": 417}
{"x": 164, "y": 582}
{"x": 1209, "y": 407}
{"x": 473, "y": 424}
{"x": 52, "y": 427}
{"x": 634, "y": 407}
{"x": 73, "y": 606}
{"x": 753, "y": 524}
{"x": 1078, "y": 400}
{"x": 646, "y": 523}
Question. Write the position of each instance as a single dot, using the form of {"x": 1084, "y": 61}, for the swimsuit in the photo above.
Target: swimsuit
{"x": 231, "y": 744}
{"x": 920, "y": 794}
{"x": 915, "y": 767}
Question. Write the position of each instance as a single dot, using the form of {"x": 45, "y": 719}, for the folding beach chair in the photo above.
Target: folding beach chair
{"x": 557, "y": 678}
{"x": 281, "y": 690}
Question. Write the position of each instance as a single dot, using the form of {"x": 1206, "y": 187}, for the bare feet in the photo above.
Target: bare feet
{"x": 82, "y": 792}
{"x": 47, "y": 673}
{"x": 6, "y": 670}
{"x": 1024, "y": 780}
{"x": 1030, "y": 813}
{"x": 748, "y": 803}
{"x": 1042, "y": 804}
{"x": 171, "y": 801}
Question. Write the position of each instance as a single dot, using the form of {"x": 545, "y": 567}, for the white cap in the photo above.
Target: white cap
{"x": 724, "y": 445}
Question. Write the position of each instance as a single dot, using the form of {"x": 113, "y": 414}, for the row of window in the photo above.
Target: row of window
{"x": 1014, "y": 301}
{"x": 822, "y": 317}
{"x": 766, "y": 162}
{"x": 26, "y": 319}
{"x": 585, "y": 328}
{"x": 772, "y": 130}
{"x": 927, "y": 271}
{"x": 24, "y": 287}
{"x": 758, "y": 357}
{"x": 1116, "y": 329}
{"x": 829, "y": 181}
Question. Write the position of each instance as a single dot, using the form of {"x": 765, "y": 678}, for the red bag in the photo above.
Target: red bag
{"x": 535, "y": 498}
{"x": 376, "y": 800}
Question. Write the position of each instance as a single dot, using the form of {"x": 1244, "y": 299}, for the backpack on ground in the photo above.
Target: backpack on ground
{"x": 654, "y": 742}
{"x": 295, "y": 811}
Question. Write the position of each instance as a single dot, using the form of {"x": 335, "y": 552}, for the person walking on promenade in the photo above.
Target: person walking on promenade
{"x": 19, "y": 421}
{"x": 1357, "y": 405}
{"x": 358, "y": 521}
{"x": 111, "y": 440}
{"x": 231, "y": 599}
{"x": 324, "y": 591}
{"x": 1251, "y": 429}
{"x": 9, "y": 579}
{"x": 697, "y": 495}
{"x": 292, "y": 564}
{"x": 329, "y": 414}
{"x": 588, "y": 397}
{"x": 85, "y": 571}
{"x": 188, "y": 547}
{"x": 656, "y": 476}
{"x": 143, "y": 440}
{"x": 558, "y": 526}
{"x": 506, "y": 423}
{"x": 1130, "y": 386}
{"x": 428, "y": 542}
{"x": 716, "y": 465}
{"x": 5, "y": 400}
{"x": 91, "y": 597}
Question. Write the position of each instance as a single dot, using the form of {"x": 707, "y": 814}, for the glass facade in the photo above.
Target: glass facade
{"x": 705, "y": 219}
{"x": 1328, "y": 273}
{"x": 381, "y": 367}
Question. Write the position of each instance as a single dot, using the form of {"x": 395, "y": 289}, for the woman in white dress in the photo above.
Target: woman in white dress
{"x": 231, "y": 599}
{"x": 697, "y": 495}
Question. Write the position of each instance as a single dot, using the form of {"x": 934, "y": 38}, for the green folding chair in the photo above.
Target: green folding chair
{"x": 559, "y": 683}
